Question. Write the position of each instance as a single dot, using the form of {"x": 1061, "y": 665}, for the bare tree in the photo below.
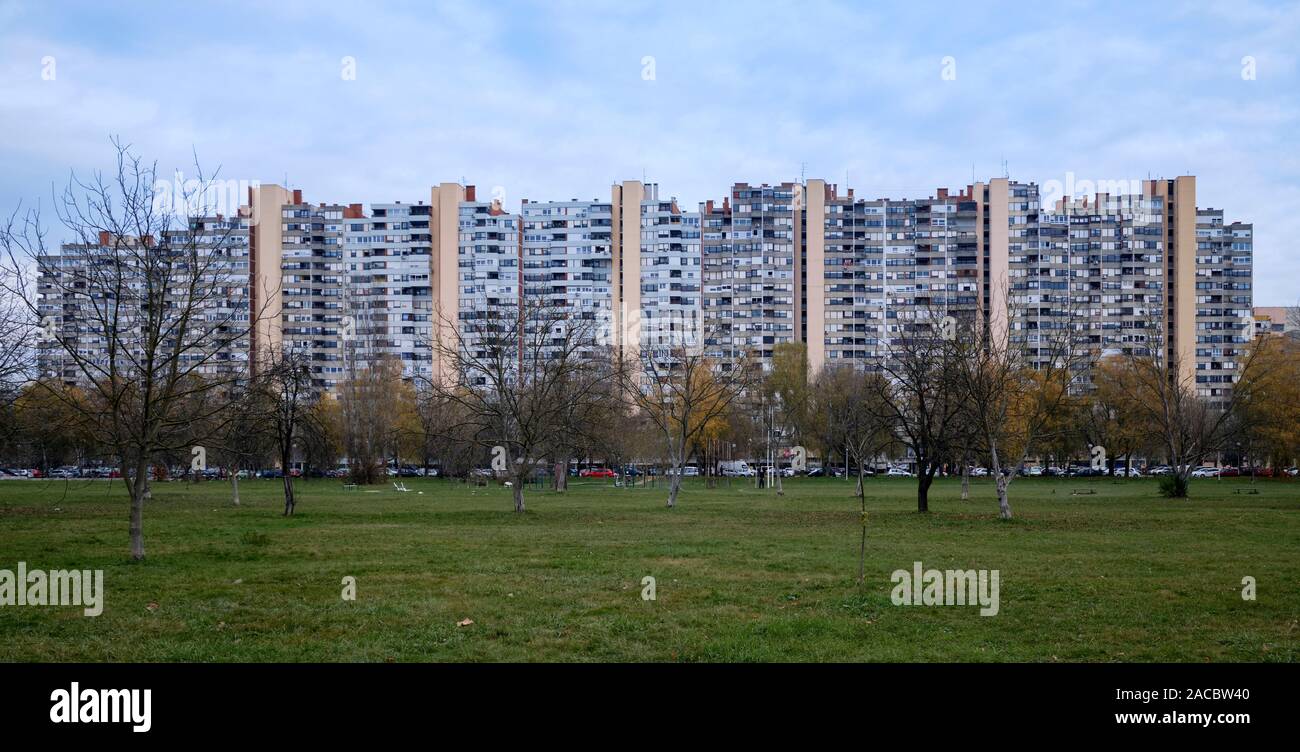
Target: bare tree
{"x": 432, "y": 413}
{"x": 922, "y": 392}
{"x": 851, "y": 402}
{"x": 786, "y": 390}
{"x": 1190, "y": 427}
{"x": 1009, "y": 393}
{"x": 243, "y": 437}
{"x": 139, "y": 309}
{"x": 371, "y": 402}
{"x": 17, "y": 340}
{"x": 682, "y": 390}
{"x": 287, "y": 379}
{"x": 520, "y": 377}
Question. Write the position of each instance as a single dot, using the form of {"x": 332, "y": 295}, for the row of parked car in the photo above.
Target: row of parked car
{"x": 67, "y": 471}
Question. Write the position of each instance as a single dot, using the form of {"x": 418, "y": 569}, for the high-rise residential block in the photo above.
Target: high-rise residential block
{"x": 769, "y": 264}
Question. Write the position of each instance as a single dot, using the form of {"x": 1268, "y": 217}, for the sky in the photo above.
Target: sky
{"x": 377, "y": 101}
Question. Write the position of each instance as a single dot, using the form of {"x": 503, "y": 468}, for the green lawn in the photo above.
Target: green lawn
{"x": 742, "y": 575}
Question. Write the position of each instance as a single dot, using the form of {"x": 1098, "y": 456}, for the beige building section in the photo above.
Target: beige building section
{"x": 1184, "y": 288}
{"x": 265, "y": 277}
{"x": 816, "y": 276}
{"x": 999, "y": 264}
{"x": 1179, "y": 249}
{"x": 1276, "y": 319}
{"x": 444, "y": 267}
{"x": 1179, "y": 245}
{"x": 625, "y": 287}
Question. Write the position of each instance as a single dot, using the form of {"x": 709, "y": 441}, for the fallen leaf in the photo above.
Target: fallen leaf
{"x": 152, "y": 606}
{"x": 464, "y": 622}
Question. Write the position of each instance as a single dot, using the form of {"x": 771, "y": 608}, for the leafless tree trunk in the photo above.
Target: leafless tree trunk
{"x": 921, "y": 392}
{"x": 286, "y": 377}
{"x": 1008, "y": 398}
{"x": 527, "y": 379}
{"x": 1189, "y": 426}
{"x": 150, "y": 290}
{"x": 681, "y": 390}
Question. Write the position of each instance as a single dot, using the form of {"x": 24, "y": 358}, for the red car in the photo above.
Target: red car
{"x": 1229, "y": 472}
{"x": 599, "y": 472}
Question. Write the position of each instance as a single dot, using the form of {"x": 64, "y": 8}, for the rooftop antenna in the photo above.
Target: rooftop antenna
{"x": 803, "y": 172}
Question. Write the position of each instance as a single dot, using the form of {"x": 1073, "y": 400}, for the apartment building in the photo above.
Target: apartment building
{"x": 388, "y": 296}
{"x": 86, "y": 286}
{"x": 568, "y": 260}
{"x": 1097, "y": 265}
{"x": 752, "y": 248}
{"x": 869, "y": 260}
{"x": 670, "y": 275}
{"x": 1277, "y": 320}
{"x": 489, "y": 267}
{"x": 769, "y": 264}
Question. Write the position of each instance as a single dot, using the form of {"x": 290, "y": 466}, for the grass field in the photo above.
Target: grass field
{"x": 741, "y": 575}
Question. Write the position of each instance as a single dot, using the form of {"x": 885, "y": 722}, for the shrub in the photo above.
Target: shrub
{"x": 1173, "y": 486}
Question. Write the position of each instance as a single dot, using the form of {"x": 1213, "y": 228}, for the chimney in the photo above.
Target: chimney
{"x": 469, "y": 193}
{"x": 353, "y": 212}
{"x": 105, "y": 238}
{"x": 708, "y": 206}
{"x": 297, "y": 195}
{"x": 943, "y": 192}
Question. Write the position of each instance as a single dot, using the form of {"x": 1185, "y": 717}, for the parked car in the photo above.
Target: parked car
{"x": 690, "y": 471}
{"x": 1160, "y": 470}
{"x": 898, "y": 472}
{"x": 598, "y": 472}
{"x": 1292, "y": 471}
{"x": 1228, "y": 471}
{"x": 1205, "y": 472}
{"x": 1034, "y": 471}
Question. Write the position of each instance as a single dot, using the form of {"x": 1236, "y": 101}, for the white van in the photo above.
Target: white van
{"x": 735, "y": 469}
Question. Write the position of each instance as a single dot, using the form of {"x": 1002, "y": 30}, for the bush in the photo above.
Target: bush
{"x": 1173, "y": 486}
{"x": 254, "y": 538}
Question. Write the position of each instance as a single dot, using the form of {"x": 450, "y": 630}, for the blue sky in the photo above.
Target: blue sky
{"x": 553, "y": 100}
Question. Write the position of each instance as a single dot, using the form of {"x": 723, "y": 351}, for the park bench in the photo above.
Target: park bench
{"x": 349, "y": 486}
{"x": 1083, "y": 491}
{"x": 1245, "y": 490}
